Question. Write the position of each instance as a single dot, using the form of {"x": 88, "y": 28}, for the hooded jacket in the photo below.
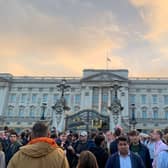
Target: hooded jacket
{"x": 39, "y": 153}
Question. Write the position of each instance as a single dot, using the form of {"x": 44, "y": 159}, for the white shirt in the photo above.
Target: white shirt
{"x": 125, "y": 161}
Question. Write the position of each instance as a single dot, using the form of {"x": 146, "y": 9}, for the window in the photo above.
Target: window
{"x": 55, "y": 98}
{"x": 143, "y": 99}
{"x": 105, "y": 96}
{"x": 21, "y": 111}
{"x": 23, "y": 98}
{"x": 32, "y": 111}
{"x": 10, "y": 111}
{"x": 104, "y": 100}
{"x": 95, "y": 96}
{"x": 45, "y": 98}
{"x": 166, "y": 115}
{"x": 34, "y": 98}
{"x": 155, "y": 113}
{"x": 132, "y": 99}
{"x": 12, "y": 98}
{"x": 166, "y": 99}
{"x": 154, "y": 99}
{"x": 144, "y": 112}
{"x": 67, "y": 98}
{"x": 77, "y": 99}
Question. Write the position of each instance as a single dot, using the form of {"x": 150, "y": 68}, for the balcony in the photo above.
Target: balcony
{"x": 21, "y": 119}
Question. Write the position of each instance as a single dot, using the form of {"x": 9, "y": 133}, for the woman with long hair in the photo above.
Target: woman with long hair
{"x": 87, "y": 160}
{"x": 2, "y": 157}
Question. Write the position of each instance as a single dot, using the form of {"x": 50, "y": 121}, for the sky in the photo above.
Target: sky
{"x": 63, "y": 37}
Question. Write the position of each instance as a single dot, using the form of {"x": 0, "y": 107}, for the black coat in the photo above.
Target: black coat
{"x": 114, "y": 161}
{"x": 101, "y": 155}
{"x": 144, "y": 154}
{"x": 11, "y": 150}
{"x": 113, "y": 147}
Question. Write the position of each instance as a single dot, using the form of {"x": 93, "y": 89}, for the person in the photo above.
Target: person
{"x": 87, "y": 160}
{"x": 150, "y": 145}
{"x": 162, "y": 161}
{"x": 83, "y": 143}
{"x": 40, "y": 152}
{"x": 74, "y": 144}
{"x": 23, "y": 138}
{"x": 113, "y": 144}
{"x": 13, "y": 146}
{"x": 159, "y": 145}
{"x": 2, "y": 158}
{"x": 138, "y": 148}
{"x": 63, "y": 142}
{"x": 124, "y": 158}
{"x": 91, "y": 139}
{"x": 100, "y": 153}
{"x": 109, "y": 140}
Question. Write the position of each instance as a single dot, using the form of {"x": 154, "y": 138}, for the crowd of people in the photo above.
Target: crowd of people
{"x": 41, "y": 148}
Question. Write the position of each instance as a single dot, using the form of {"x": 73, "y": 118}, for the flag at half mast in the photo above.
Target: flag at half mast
{"x": 108, "y": 59}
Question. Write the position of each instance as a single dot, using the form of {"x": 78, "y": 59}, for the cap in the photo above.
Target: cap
{"x": 83, "y": 133}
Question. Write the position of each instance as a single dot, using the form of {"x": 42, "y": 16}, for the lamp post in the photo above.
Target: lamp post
{"x": 58, "y": 119}
{"x": 133, "y": 121}
{"x": 43, "y": 111}
{"x": 115, "y": 107}
{"x": 62, "y": 87}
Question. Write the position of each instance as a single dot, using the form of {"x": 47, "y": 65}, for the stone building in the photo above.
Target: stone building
{"x": 22, "y": 97}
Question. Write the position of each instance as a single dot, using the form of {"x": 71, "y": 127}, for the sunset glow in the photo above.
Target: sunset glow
{"x": 63, "y": 37}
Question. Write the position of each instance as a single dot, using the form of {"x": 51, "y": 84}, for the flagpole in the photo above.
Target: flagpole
{"x": 106, "y": 64}
{"x": 107, "y": 60}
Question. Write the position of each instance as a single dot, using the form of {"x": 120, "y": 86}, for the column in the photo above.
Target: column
{"x": 90, "y": 97}
{"x": 100, "y": 99}
{"x": 3, "y": 99}
{"x": 109, "y": 97}
{"x": 82, "y": 98}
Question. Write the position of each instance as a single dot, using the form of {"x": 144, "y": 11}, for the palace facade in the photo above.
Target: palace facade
{"x": 22, "y": 98}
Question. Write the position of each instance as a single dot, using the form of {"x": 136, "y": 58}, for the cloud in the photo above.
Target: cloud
{"x": 154, "y": 14}
{"x": 64, "y": 37}
{"x": 35, "y": 41}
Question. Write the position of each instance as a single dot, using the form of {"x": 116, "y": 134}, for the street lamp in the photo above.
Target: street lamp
{"x": 58, "y": 119}
{"x": 115, "y": 106}
{"x": 62, "y": 87}
{"x": 43, "y": 111}
{"x": 133, "y": 121}
{"x": 61, "y": 103}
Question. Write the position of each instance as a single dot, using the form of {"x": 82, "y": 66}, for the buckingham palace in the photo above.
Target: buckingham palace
{"x": 23, "y": 99}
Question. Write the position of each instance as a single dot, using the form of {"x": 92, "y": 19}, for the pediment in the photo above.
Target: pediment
{"x": 104, "y": 77}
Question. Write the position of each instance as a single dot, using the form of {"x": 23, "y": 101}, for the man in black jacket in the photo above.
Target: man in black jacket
{"x": 13, "y": 146}
{"x": 100, "y": 153}
{"x": 124, "y": 158}
{"x": 138, "y": 148}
